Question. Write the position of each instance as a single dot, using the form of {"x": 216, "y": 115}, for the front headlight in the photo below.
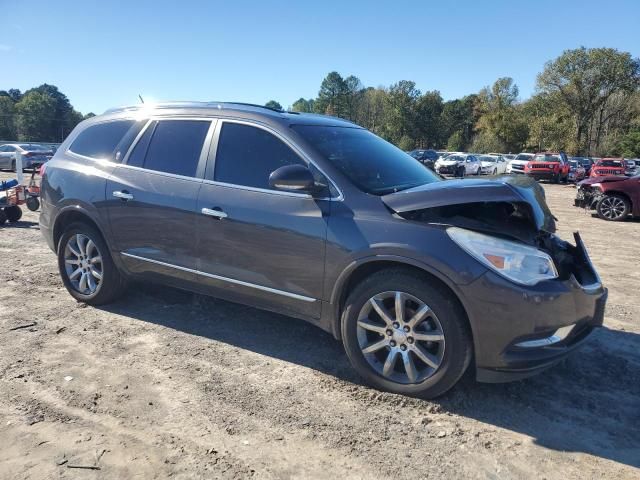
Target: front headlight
{"x": 519, "y": 263}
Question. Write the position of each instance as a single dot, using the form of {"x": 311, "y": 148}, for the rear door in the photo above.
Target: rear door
{"x": 257, "y": 245}
{"x": 152, "y": 197}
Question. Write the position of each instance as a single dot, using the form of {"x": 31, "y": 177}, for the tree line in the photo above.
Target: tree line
{"x": 41, "y": 114}
{"x": 586, "y": 102}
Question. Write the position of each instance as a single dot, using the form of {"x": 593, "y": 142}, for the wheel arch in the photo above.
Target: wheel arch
{"x": 362, "y": 268}
{"x": 70, "y": 215}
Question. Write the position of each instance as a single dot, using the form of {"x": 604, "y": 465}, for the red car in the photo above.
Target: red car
{"x": 613, "y": 198}
{"x": 608, "y": 166}
{"x": 548, "y": 166}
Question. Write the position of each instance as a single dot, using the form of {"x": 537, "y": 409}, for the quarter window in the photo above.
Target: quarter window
{"x": 173, "y": 146}
{"x": 247, "y": 155}
{"x": 100, "y": 141}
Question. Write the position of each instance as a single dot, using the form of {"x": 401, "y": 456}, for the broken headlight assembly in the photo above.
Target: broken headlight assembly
{"x": 518, "y": 262}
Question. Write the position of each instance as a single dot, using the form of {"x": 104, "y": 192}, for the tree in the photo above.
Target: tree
{"x": 585, "y": 80}
{"x": 459, "y": 117}
{"x": 273, "y": 104}
{"x": 629, "y": 145}
{"x": 331, "y": 97}
{"x": 352, "y": 94}
{"x": 502, "y": 123}
{"x": 400, "y": 111}
{"x": 7, "y": 118}
{"x": 428, "y": 112}
{"x": 34, "y": 114}
{"x": 302, "y": 105}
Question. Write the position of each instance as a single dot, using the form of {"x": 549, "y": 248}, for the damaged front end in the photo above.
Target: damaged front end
{"x": 509, "y": 208}
{"x": 588, "y": 196}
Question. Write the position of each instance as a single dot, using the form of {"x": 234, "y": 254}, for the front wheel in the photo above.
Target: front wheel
{"x": 613, "y": 207}
{"x": 13, "y": 213}
{"x": 405, "y": 334}
{"x": 86, "y": 266}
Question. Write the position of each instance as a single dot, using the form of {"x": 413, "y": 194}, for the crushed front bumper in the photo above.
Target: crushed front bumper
{"x": 521, "y": 330}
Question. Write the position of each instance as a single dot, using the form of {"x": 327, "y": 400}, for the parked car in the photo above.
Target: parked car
{"x": 509, "y": 156}
{"x": 587, "y": 164}
{"x": 608, "y": 166}
{"x": 316, "y": 218}
{"x": 33, "y": 155}
{"x": 426, "y": 157}
{"x": 492, "y": 164}
{"x": 576, "y": 171}
{"x": 552, "y": 166}
{"x": 630, "y": 168}
{"x": 517, "y": 164}
{"x": 458, "y": 164}
{"x": 612, "y": 197}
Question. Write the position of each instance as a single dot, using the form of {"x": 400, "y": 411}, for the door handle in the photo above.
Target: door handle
{"x": 124, "y": 195}
{"x": 214, "y": 212}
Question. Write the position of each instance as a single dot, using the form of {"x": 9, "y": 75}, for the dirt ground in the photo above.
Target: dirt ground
{"x": 169, "y": 384}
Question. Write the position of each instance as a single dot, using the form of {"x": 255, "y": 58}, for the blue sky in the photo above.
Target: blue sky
{"x": 104, "y": 53}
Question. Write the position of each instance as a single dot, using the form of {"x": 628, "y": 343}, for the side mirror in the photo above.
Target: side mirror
{"x": 292, "y": 178}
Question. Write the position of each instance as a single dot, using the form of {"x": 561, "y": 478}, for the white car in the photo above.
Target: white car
{"x": 517, "y": 164}
{"x": 451, "y": 164}
{"x": 492, "y": 164}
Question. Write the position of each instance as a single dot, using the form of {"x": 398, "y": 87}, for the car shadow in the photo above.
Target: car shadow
{"x": 21, "y": 224}
{"x": 589, "y": 403}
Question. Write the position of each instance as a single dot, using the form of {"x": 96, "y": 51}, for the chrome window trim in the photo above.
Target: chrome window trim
{"x": 125, "y": 159}
{"x": 68, "y": 150}
{"x": 297, "y": 150}
{"x": 224, "y": 279}
{"x": 261, "y": 190}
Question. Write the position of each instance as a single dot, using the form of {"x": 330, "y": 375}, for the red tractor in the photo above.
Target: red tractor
{"x": 550, "y": 166}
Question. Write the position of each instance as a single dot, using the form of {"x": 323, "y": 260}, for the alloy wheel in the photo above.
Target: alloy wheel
{"x": 612, "y": 207}
{"x": 400, "y": 337}
{"x": 83, "y": 264}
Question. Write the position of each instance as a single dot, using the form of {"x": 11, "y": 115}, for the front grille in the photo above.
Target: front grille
{"x": 546, "y": 166}
{"x": 517, "y": 166}
{"x": 601, "y": 171}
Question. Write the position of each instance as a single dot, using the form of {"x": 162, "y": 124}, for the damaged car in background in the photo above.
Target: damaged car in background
{"x": 314, "y": 217}
{"x": 613, "y": 198}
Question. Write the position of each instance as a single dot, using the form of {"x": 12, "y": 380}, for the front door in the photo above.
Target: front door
{"x": 258, "y": 245}
{"x": 152, "y": 197}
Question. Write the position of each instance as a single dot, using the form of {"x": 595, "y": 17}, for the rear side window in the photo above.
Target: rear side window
{"x": 100, "y": 141}
{"x": 247, "y": 155}
{"x": 171, "y": 146}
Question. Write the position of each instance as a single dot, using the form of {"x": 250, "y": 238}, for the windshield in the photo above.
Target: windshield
{"x": 372, "y": 164}
{"x": 524, "y": 156}
{"x": 573, "y": 163}
{"x": 610, "y": 163}
{"x": 417, "y": 153}
{"x": 486, "y": 158}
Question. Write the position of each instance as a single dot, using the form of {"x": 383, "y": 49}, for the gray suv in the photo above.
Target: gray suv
{"x": 314, "y": 217}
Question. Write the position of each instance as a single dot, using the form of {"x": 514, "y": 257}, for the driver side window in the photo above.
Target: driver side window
{"x": 247, "y": 155}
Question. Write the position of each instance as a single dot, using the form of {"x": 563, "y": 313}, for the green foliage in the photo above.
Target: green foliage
{"x": 303, "y": 105}
{"x": 273, "y": 104}
{"x": 7, "y": 118}
{"x": 456, "y": 142}
{"x": 34, "y": 116}
{"x": 406, "y": 143}
{"x": 629, "y": 145}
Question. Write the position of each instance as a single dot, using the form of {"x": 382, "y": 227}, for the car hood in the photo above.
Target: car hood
{"x": 487, "y": 164}
{"x": 602, "y": 179}
{"x": 508, "y": 189}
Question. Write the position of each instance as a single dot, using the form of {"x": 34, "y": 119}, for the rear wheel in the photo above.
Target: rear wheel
{"x": 13, "y": 213}
{"x": 86, "y": 267}
{"x": 613, "y": 207}
{"x": 406, "y": 335}
{"x": 33, "y": 203}
{"x": 3, "y": 216}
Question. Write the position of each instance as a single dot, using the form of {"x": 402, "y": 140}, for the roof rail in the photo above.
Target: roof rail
{"x": 192, "y": 104}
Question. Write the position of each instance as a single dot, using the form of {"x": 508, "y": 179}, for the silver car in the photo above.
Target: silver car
{"x": 33, "y": 155}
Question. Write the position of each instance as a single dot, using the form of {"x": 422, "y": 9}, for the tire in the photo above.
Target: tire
{"x": 110, "y": 286}
{"x": 495, "y": 172}
{"x": 33, "y": 203}
{"x": 13, "y": 213}
{"x": 3, "y": 216}
{"x": 449, "y": 356}
{"x": 555, "y": 179}
{"x": 614, "y": 208}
